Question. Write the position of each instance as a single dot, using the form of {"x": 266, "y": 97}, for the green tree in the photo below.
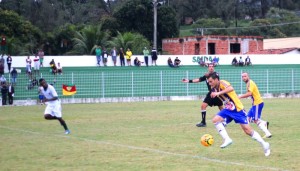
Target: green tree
{"x": 137, "y": 16}
{"x": 23, "y": 37}
{"x": 135, "y": 41}
{"x": 86, "y": 40}
{"x": 211, "y": 23}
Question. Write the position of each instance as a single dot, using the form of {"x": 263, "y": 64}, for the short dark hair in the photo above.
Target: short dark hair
{"x": 214, "y": 75}
{"x": 41, "y": 79}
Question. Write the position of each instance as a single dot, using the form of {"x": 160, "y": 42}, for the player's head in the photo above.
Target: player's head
{"x": 211, "y": 68}
{"x": 43, "y": 82}
{"x": 213, "y": 79}
{"x": 245, "y": 77}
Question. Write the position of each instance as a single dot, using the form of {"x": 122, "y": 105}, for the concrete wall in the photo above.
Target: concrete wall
{"x": 86, "y": 61}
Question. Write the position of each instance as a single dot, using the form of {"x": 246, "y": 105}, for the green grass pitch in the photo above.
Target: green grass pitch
{"x": 143, "y": 136}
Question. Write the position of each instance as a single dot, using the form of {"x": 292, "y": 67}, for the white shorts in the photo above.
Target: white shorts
{"x": 37, "y": 65}
{"x": 54, "y": 109}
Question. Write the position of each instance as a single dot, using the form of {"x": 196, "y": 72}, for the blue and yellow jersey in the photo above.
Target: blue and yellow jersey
{"x": 231, "y": 100}
{"x": 256, "y": 98}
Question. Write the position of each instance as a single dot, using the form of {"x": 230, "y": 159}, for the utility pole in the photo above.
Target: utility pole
{"x": 155, "y": 24}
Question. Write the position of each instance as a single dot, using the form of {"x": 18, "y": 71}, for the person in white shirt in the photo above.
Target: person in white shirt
{"x": 53, "y": 109}
{"x": 59, "y": 69}
{"x": 36, "y": 61}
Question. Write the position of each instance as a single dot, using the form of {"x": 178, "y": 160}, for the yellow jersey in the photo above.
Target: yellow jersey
{"x": 256, "y": 98}
{"x": 231, "y": 100}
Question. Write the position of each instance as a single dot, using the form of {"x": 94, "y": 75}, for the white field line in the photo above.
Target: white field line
{"x": 148, "y": 149}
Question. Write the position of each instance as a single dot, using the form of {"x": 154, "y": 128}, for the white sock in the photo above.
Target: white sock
{"x": 263, "y": 127}
{"x": 258, "y": 138}
{"x": 222, "y": 131}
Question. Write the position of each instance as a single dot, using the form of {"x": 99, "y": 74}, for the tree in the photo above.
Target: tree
{"x": 211, "y": 23}
{"x": 23, "y": 37}
{"x": 86, "y": 40}
{"x": 135, "y": 41}
{"x": 137, "y": 16}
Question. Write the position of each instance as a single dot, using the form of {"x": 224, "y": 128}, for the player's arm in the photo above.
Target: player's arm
{"x": 196, "y": 80}
{"x": 226, "y": 90}
{"x": 48, "y": 100}
{"x": 248, "y": 94}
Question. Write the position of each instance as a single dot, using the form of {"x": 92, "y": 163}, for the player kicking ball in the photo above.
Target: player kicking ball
{"x": 53, "y": 109}
{"x": 234, "y": 110}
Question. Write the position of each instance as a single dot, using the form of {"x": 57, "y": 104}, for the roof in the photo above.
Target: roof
{"x": 292, "y": 42}
{"x": 273, "y": 51}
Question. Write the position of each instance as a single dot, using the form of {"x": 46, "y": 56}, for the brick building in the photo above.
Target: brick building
{"x": 212, "y": 44}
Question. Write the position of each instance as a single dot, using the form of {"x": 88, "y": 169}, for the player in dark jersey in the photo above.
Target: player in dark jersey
{"x": 208, "y": 101}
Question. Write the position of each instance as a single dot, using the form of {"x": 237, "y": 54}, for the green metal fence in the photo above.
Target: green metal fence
{"x": 143, "y": 83}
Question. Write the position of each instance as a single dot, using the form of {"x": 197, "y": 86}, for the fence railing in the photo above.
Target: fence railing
{"x": 157, "y": 83}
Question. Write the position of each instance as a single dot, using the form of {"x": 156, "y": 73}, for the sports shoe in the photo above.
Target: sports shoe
{"x": 226, "y": 143}
{"x": 267, "y": 149}
{"x": 67, "y": 132}
{"x": 267, "y": 136}
{"x": 200, "y": 124}
{"x": 267, "y": 125}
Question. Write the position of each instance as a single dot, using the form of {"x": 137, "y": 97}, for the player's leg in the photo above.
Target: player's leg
{"x": 54, "y": 112}
{"x": 241, "y": 118}
{"x": 255, "y": 115}
{"x": 249, "y": 131}
{"x": 218, "y": 122}
{"x": 203, "y": 115}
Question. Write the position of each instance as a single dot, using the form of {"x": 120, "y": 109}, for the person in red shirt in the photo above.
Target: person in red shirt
{"x": 3, "y": 44}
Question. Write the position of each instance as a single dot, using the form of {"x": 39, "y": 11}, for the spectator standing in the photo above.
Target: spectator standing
{"x": 177, "y": 62}
{"x": 9, "y": 61}
{"x": 146, "y": 54}
{"x": 98, "y": 52}
{"x": 104, "y": 56}
{"x": 36, "y": 61}
{"x": 3, "y": 44}
{"x": 53, "y": 67}
{"x": 11, "y": 94}
{"x": 59, "y": 69}
{"x": 154, "y": 56}
{"x": 113, "y": 54}
{"x": 14, "y": 75}
{"x": 122, "y": 58}
{"x": 28, "y": 65}
{"x": 128, "y": 57}
{"x": 41, "y": 57}
{"x": 4, "y": 91}
{"x": 1, "y": 68}
{"x": 2, "y": 61}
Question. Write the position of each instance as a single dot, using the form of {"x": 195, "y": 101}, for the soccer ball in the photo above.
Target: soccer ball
{"x": 207, "y": 140}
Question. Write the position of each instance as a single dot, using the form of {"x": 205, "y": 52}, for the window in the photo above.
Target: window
{"x": 235, "y": 48}
{"x": 211, "y": 48}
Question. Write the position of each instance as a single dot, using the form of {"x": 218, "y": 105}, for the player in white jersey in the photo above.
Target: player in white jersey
{"x": 53, "y": 109}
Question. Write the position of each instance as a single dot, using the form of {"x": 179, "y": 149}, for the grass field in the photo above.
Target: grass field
{"x": 143, "y": 136}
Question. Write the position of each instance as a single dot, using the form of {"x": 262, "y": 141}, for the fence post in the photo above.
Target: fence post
{"x": 161, "y": 84}
{"x": 267, "y": 81}
{"x": 132, "y": 84}
{"x": 292, "y": 80}
{"x": 187, "y": 85}
{"x": 103, "y": 88}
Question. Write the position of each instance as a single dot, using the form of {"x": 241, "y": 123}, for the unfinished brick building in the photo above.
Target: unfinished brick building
{"x": 212, "y": 44}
